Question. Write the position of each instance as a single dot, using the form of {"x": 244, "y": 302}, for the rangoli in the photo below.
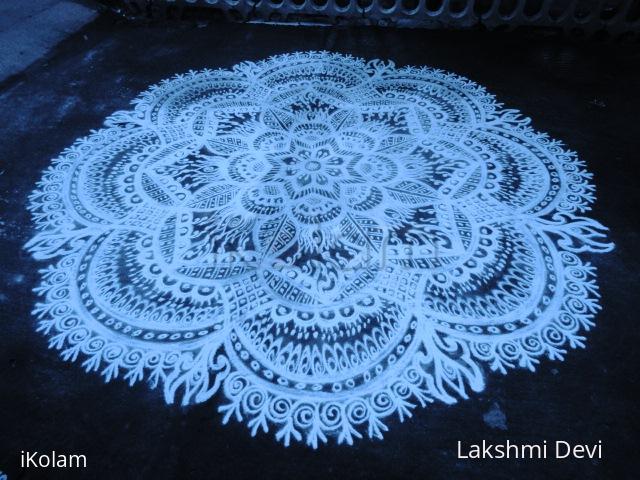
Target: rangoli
{"x": 325, "y": 242}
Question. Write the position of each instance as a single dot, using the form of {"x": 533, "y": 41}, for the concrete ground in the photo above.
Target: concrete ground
{"x": 583, "y": 93}
{"x": 29, "y": 29}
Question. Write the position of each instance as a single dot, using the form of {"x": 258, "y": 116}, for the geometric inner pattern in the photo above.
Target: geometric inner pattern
{"x": 325, "y": 242}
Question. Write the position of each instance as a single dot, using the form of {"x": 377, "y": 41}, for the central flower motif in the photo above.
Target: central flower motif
{"x": 325, "y": 164}
{"x": 312, "y": 175}
{"x": 309, "y": 170}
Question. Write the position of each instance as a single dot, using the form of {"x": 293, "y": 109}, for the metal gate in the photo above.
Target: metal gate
{"x": 603, "y": 18}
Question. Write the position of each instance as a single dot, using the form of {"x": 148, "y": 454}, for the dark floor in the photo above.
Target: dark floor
{"x": 583, "y": 93}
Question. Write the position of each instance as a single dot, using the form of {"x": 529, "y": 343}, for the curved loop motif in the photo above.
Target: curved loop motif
{"x": 325, "y": 240}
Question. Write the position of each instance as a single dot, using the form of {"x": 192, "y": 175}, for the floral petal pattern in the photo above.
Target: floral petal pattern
{"x": 326, "y": 241}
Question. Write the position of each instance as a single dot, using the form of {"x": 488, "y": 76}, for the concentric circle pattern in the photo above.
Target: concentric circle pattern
{"x": 327, "y": 242}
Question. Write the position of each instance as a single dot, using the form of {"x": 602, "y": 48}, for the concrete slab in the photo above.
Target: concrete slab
{"x": 28, "y": 30}
{"x": 13, "y": 11}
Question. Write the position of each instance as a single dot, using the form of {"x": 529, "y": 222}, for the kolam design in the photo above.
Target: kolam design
{"x": 326, "y": 242}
